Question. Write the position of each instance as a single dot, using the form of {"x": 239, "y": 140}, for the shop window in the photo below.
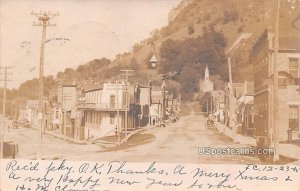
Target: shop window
{"x": 294, "y": 118}
{"x": 112, "y": 118}
{"x": 294, "y": 67}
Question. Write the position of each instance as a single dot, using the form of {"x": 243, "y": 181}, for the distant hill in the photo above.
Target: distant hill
{"x": 230, "y": 19}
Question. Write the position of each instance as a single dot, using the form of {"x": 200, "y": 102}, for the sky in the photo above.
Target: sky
{"x": 85, "y": 30}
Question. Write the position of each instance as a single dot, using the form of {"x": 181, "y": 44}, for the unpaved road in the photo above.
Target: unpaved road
{"x": 178, "y": 142}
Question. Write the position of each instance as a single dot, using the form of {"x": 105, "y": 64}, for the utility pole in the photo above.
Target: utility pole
{"x": 117, "y": 86}
{"x": 207, "y": 111}
{"x": 118, "y": 115}
{"x": 126, "y": 73}
{"x": 44, "y": 21}
{"x": 275, "y": 140}
{"x": 230, "y": 93}
{"x": 211, "y": 104}
{"x": 5, "y": 80}
{"x": 232, "y": 107}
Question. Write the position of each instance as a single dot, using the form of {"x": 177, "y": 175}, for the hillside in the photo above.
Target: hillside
{"x": 189, "y": 24}
{"x": 232, "y": 17}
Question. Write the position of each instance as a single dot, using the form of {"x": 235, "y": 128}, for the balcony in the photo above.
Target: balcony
{"x": 101, "y": 106}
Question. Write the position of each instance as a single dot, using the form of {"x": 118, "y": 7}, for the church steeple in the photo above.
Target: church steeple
{"x": 153, "y": 61}
{"x": 206, "y": 77}
{"x": 206, "y": 85}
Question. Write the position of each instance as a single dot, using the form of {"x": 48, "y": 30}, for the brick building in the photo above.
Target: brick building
{"x": 262, "y": 57}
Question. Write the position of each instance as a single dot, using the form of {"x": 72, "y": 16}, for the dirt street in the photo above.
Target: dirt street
{"x": 178, "y": 142}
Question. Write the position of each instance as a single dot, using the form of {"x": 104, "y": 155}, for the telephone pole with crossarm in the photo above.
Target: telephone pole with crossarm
{"x": 44, "y": 21}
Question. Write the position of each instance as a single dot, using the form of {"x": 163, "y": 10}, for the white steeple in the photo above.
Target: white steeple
{"x": 206, "y": 77}
{"x": 206, "y": 85}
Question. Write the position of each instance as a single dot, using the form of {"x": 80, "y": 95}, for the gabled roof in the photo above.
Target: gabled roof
{"x": 153, "y": 58}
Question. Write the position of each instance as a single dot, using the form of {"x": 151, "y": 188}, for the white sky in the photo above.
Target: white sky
{"x": 92, "y": 29}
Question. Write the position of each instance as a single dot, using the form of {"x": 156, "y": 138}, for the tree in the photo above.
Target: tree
{"x": 189, "y": 81}
{"x": 189, "y": 57}
{"x": 173, "y": 87}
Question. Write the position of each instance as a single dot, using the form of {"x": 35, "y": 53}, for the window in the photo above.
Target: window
{"x": 294, "y": 67}
{"x": 56, "y": 114}
{"x": 294, "y": 118}
{"x": 112, "y": 101}
{"x": 99, "y": 117}
{"x": 284, "y": 82}
{"x": 112, "y": 118}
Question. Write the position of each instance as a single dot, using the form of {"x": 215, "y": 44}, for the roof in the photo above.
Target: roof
{"x": 93, "y": 90}
{"x": 92, "y": 87}
{"x": 289, "y": 43}
{"x": 69, "y": 85}
{"x": 153, "y": 58}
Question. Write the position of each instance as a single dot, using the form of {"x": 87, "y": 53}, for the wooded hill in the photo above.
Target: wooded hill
{"x": 199, "y": 33}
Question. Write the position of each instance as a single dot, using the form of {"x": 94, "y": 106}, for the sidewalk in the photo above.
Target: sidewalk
{"x": 66, "y": 138}
{"x": 290, "y": 151}
{"x": 237, "y": 138}
{"x": 286, "y": 150}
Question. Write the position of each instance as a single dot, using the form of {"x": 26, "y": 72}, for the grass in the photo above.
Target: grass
{"x": 136, "y": 139}
{"x": 113, "y": 138}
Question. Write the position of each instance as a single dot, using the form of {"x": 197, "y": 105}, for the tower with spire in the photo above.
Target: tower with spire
{"x": 206, "y": 75}
{"x": 153, "y": 61}
{"x": 206, "y": 85}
